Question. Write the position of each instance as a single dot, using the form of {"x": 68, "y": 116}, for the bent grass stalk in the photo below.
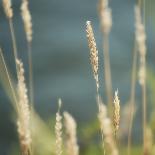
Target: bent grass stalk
{"x": 9, "y": 80}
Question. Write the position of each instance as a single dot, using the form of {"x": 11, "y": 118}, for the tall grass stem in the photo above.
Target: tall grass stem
{"x": 30, "y": 63}
{"x": 107, "y": 71}
{"x": 9, "y": 80}
{"x": 132, "y": 96}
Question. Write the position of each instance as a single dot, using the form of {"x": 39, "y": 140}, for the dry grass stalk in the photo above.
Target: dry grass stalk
{"x": 141, "y": 43}
{"x": 9, "y": 79}
{"x": 106, "y": 129}
{"x": 93, "y": 52}
{"x": 58, "y": 130}
{"x": 8, "y": 8}
{"x": 132, "y": 96}
{"x": 14, "y": 44}
{"x": 116, "y": 118}
{"x": 106, "y": 24}
{"x": 71, "y": 140}
{"x": 23, "y": 122}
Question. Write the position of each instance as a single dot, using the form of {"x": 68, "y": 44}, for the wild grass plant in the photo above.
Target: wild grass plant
{"x": 36, "y": 138}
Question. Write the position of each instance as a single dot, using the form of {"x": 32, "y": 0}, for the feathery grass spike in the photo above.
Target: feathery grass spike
{"x": 116, "y": 111}
{"x": 93, "y": 51}
{"x": 23, "y": 122}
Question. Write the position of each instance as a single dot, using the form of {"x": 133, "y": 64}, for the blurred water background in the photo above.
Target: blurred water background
{"x": 61, "y": 58}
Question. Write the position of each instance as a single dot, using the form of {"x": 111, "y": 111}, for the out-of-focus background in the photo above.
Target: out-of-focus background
{"x": 61, "y": 65}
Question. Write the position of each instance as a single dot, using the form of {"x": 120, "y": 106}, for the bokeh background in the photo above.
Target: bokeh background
{"x": 61, "y": 65}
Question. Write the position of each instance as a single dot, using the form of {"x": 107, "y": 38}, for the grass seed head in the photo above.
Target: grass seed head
{"x": 26, "y": 16}
{"x": 8, "y": 8}
{"x": 116, "y": 111}
{"x": 93, "y": 51}
{"x": 23, "y": 122}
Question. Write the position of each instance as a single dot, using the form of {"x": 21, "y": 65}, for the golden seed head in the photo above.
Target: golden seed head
{"x": 93, "y": 51}
{"x": 8, "y": 8}
{"x": 116, "y": 111}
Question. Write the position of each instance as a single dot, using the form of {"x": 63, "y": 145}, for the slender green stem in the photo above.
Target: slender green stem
{"x": 9, "y": 80}
{"x": 107, "y": 71}
{"x": 144, "y": 117}
{"x": 31, "y": 95}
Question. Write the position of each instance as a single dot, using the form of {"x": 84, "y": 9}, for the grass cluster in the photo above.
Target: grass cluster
{"x": 36, "y": 138}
